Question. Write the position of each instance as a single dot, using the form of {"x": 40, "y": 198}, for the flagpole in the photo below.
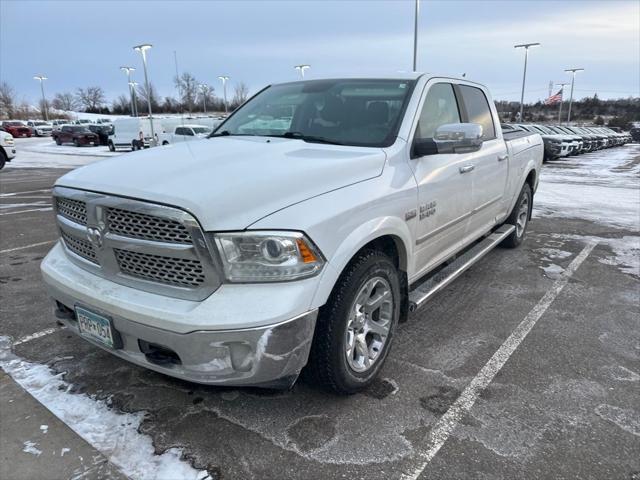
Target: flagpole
{"x": 561, "y": 85}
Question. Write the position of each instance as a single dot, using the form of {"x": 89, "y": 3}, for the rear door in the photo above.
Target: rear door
{"x": 491, "y": 163}
{"x": 444, "y": 184}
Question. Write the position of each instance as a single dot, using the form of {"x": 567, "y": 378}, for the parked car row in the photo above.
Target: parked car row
{"x": 563, "y": 140}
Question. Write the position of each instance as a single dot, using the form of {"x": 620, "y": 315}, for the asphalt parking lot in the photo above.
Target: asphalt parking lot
{"x": 528, "y": 366}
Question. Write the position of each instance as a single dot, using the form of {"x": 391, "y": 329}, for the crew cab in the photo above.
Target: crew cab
{"x": 312, "y": 221}
{"x": 7, "y": 148}
{"x": 183, "y": 133}
{"x": 16, "y": 128}
{"x": 76, "y": 134}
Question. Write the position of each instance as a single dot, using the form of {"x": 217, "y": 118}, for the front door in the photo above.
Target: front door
{"x": 445, "y": 183}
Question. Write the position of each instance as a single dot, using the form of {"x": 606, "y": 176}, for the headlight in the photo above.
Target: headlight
{"x": 9, "y": 141}
{"x": 267, "y": 256}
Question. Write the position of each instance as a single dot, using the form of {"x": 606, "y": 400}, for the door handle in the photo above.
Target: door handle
{"x": 502, "y": 158}
{"x": 467, "y": 168}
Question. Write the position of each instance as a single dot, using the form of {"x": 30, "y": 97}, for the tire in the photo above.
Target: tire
{"x": 3, "y": 159}
{"x": 165, "y": 143}
{"x": 58, "y": 141}
{"x": 76, "y": 142}
{"x": 112, "y": 147}
{"x": 519, "y": 217}
{"x": 340, "y": 330}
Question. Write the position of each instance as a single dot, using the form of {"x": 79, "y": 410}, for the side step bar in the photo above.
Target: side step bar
{"x": 448, "y": 274}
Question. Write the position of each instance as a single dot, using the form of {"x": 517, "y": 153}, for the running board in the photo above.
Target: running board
{"x": 448, "y": 274}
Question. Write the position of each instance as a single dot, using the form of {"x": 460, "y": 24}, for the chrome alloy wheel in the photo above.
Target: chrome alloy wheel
{"x": 523, "y": 216}
{"x": 368, "y": 326}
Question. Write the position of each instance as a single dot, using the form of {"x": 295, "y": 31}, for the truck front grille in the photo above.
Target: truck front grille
{"x": 80, "y": 247}
{"x": 74, "y": 210}
{"x": 148, "y": 227}
{"x": 146, "y": 246}
{"x": 181, "y": 272}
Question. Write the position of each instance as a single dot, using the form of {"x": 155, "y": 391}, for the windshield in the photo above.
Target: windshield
{"x": 203, "y": 130}
{"x": 344, "y": 112}
{"x": 41, "y": 123}
{"x": 79, "y": 129}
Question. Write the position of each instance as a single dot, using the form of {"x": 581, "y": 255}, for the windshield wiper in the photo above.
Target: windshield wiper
{"x": 307, "y": 138}
{"x": 227, "y": 133}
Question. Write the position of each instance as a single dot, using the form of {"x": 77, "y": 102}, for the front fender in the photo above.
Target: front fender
{"x": 358, "y": 238}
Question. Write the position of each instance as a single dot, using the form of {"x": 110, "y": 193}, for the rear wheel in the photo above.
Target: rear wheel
{"x": 355, "y": 328}
{"x": 519, "y": 218}
{"x": 112, "y": 147}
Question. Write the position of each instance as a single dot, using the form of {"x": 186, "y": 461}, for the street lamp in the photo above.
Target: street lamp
{"x": 132, "y": 88}
{"x": 415, "y": 35}
{"x": 223, "y": 79}
{"x": 128, "y": 71}
{"x": 526, "y": 47}
{"x": 573, "y": 79}
{"x": 143, "y": 51}
{"x": 204, "y": 96}
{"x": 301, "y": 69}
{"x": 42, "y": 78}
{"x": 561, "y": 85}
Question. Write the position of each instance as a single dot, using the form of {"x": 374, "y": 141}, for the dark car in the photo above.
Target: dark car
{"x": 76, "y": 134}
{"x": 103, "y": 132}
{"x": 15, "y": 128}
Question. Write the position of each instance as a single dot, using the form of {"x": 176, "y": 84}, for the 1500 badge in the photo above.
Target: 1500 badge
{"x": 427, "y": 209}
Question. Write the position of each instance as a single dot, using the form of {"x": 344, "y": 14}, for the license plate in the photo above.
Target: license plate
{"x": 95, "y": 327}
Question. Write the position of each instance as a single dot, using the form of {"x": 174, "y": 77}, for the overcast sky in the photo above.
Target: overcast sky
{"x": 83, "y": 43}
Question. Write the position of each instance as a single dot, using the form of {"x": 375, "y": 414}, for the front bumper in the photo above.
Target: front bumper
{"x": 270, "y": 353}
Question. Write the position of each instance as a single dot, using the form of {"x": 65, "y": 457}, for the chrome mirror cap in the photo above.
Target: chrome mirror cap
{"x": 458, "y": 138}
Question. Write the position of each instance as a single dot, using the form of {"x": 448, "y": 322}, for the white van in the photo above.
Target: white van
{"x": 127, "y": 131}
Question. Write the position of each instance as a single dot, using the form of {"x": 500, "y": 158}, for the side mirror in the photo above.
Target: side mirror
{"x": 458, "y": 138}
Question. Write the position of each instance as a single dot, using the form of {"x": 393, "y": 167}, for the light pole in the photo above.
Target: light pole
{"x": 561, "y": 85}
{"x": 128, "y": 71}
{"x": 132, "y": 87}
{"x": 301, "y": 69}
{"x": 42, "y": 78}
{"x": 573, "y": 79}
{"x": 204, "y": 96}
{"x": 526, "y": 47}
{"x": 143, "y": 51}
{"x": 223, "y": 79}
{"x": 415, "y": 35}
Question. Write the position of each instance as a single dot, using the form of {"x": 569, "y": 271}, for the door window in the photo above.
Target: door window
{"x": 478, "y": 110}
{"x": 440, "y": 107}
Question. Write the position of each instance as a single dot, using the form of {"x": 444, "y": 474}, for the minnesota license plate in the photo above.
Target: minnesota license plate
{"x": 95, "y": 327}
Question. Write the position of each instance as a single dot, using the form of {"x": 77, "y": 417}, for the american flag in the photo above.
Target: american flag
{"x": 554, "y": 98}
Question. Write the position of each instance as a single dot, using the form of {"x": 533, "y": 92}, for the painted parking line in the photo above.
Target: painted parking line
{"x": 443, "y": 428}
{"x": 33, "y": 336}
{"x": 13, "y": 194}
{"x": 47, "y": 209}
{"x": 27, "y": 246}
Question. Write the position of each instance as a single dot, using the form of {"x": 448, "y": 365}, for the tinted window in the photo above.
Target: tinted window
{"x": 478, "y": 110}
{"x": 440, "y": 107}
{"x": 180, "y": 131}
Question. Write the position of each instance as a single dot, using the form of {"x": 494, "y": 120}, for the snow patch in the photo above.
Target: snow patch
{"x": 113, "y": 434}
{"x": 30, "y": 447}
{"x": 44, "y": 428}
{"x": 553, "y": 271}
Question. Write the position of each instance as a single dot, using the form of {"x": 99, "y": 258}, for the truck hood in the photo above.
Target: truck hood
{"x": 228, "y": 183}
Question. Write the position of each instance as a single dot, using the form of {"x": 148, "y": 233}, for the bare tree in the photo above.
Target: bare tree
{"x": 205, "y": 95}
{"x": 7, "y": 100}
{"x": 141, "y": 93}
{"x": 64, "y": 101}
{"x": 240, "y": 95}
{"x": 188, "y": 87}
{"x": 121, "y": 105}
{"x": 91, "y": 98}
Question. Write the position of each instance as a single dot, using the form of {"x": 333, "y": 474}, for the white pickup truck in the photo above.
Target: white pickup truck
{"x": 310, "y": 223}
{"x": 184, "y": 133}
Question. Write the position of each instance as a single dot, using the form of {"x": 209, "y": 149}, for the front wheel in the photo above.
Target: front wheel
{"x": 76, "y": 142}
{"x": 355, "y": 328}
{"x": 58, "y": 141}
{"x": 519, "y": 218}
{"x": 3, "y": 159}
{"x": 112, "y": 147}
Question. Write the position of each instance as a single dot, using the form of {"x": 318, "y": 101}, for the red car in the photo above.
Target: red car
{"x": 76, "y": 134}
{"x": 15, "y": 128}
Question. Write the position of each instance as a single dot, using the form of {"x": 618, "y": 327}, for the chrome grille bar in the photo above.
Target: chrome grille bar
{"x": 150, "y": 247}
